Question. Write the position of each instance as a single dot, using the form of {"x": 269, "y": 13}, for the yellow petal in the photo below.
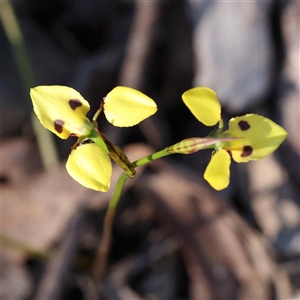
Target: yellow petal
{"x": 203, "y": 104}
{"x": 260, "y": 137}
{"x": 89, "y": 165}
{"x": 61, "y": 109}
{"x": 217, "y": 172}
{"x": 124, "y": 106}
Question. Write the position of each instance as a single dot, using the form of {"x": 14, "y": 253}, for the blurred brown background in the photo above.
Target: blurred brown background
{"x": 174, "y": 237}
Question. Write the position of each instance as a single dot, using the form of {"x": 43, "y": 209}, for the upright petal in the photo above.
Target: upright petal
{"x": 260, "y": 137}
{"x": 203, "y": 104}
{"x": 62, "y": 110}
{"x": 124, "y": 106}
{"x": 89, "y": 165}
{"x": 217, "y": 172}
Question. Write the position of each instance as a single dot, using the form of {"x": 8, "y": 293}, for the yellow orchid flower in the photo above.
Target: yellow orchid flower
{"x": 256, "y": 136}
{"x": 62, "y": 110}
{"x": 90, "y": 165}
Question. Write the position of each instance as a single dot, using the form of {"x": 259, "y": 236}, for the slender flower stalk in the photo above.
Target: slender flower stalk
{"x": 105, "y": 242}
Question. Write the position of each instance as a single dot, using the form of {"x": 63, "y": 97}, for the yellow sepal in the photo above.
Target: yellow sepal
{"x": 124, "y": 106}
{"x": 62, "y": 110}
{"x": 259, "y": 137}
{"x": 203, "y": 104}
{"x": 217, "y": 172}
{"x": 89, "y": 165}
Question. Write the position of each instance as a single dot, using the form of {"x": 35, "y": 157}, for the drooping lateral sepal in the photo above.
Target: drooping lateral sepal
{"x": 217, "y": 172}
{"x": 89, "y": 165}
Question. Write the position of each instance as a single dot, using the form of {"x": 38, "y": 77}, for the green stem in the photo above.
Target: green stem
{"x": 151, "y": 157}
{"x": 105, "y": 242}
{"x": 96, "y": 115}
{"x": 12, "y": 29}
{"x": 221, "y": 126}
{"x": 95, "y": 136}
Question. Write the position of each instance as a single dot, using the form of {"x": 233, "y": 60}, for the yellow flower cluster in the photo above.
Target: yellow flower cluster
{"x": 63, "y": 111}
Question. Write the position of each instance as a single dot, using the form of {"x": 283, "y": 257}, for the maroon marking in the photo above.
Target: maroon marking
{"x": 74, "y": 103}
{"x": 247, "y": 151}
{"x": 58, "y": 125}
{"x": 102, "y": 102}
{"x": 244, "y": 125}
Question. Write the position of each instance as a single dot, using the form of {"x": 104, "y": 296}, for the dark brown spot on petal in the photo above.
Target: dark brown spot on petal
{"x": 58, "y": 125}
{"x": 74, "y": 103}
{"x": 244, "y": 125}
{"x": 247, "y": 151}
